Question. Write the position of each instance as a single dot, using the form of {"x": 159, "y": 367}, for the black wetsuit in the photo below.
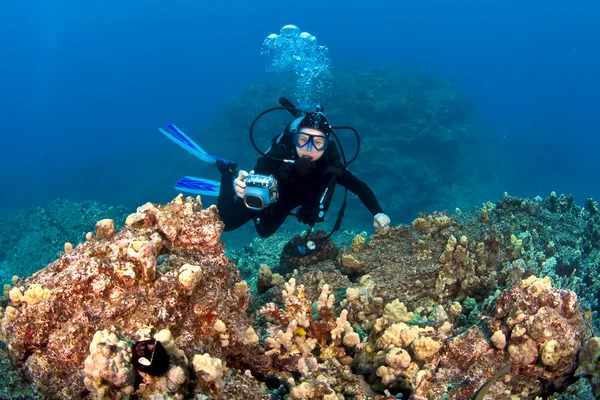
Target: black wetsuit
{"x": 295, "y": 190}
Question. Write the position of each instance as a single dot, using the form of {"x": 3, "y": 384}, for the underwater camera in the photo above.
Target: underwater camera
{"x": 261, "y": 190}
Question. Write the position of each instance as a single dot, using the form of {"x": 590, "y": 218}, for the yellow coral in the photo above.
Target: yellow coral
{"x": 446, "y": 256}
{"x": 350, "y": 262}
{"x": 398, "y": 335}
{"x": 250, "y": 336}
{"x": 303, "y": 391}
{"x": 11, "y": 314}
{"x": 396, "y": 312}
{"x": 210, "y": 369}
{"x": 425, "y": 347}
{"x": 15, "y": 295}
{"x": 219, "y": 326}
{"x": 397, "y": 358}
{"x": 358, "y": 243}
{"x": 499, "y": 339}
{"x": 422, "y": 253}
{"x": 166, "y": 339}
{"x": 536, "y": 285}
{"x": 524, "y": 353}
{"x": 105, "y": 228}
{"x": 432, "y": 224}
{"x": 189, "y": 275}
{"x": 484, "y": 217}
{"x": 352, "y": 294}
{"x": 35, "y": 294}
{"x": 588, "y": 358}
{"x": 550, "y": 353}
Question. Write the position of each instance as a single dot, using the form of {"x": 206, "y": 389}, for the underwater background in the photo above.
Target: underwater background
{"x": 86, "y": 85}
{"x": 496, "y": 97}
{"x": 459, "y": 105}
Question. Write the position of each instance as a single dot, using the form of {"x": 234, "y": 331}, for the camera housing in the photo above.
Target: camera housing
{"x": 261, "y": 190}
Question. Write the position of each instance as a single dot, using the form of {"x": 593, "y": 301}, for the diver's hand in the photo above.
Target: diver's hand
{"x": 239, "y": 183}
{"x": 381, "y": 220}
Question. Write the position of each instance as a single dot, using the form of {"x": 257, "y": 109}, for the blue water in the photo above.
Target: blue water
{"x": 85, "y": 84}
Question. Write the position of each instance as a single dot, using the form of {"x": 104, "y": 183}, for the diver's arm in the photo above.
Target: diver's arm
{"x": 362, "y": 190}
{"x": 268, "y": 166}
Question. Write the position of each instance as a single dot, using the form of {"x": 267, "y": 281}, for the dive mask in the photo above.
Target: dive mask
{"x": 309, "y": 141}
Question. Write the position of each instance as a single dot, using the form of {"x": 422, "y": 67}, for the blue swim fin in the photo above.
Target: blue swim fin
{"x": 181, "y": 139}
{"x": 204, "y": 187}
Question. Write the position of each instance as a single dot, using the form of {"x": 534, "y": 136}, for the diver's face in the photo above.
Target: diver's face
{"x": 309, "y": 150}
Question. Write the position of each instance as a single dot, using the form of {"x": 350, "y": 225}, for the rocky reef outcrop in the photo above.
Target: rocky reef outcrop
{"x": 428, "y": 311}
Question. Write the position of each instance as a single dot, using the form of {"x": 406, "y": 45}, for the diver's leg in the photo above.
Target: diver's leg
{"x": 227, "y": 195}
{"x": 235, "y": 216}
{"x": 232, "y": 210}
{"x": 269, "y": 224}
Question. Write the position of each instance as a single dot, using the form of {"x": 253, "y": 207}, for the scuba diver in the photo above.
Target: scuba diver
{"x": 298, "y": 172}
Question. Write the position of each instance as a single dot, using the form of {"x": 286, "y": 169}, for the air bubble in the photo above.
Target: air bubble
{"x": 299, "y": 52}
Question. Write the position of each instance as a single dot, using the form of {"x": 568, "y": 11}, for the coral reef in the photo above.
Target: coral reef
{"x": 165, "y": 270}
{"x": 430, "y": 311}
